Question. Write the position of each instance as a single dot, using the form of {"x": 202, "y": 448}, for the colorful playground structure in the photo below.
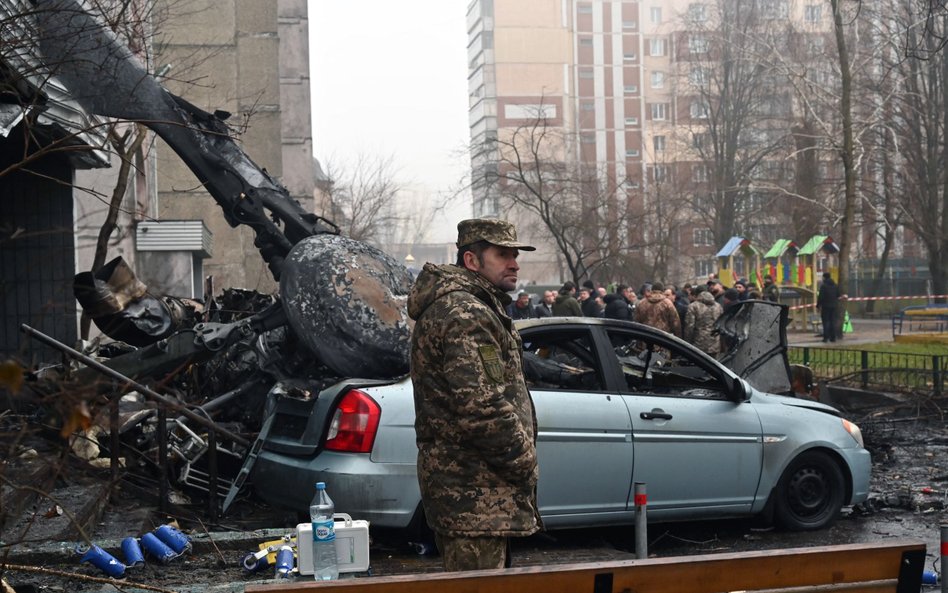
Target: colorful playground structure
{"x": 796, "y": 270}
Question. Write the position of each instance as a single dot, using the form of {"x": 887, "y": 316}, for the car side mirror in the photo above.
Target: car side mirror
{"x": 739, "y": 390}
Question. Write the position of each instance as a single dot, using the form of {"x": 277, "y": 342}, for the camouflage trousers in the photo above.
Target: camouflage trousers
{"x": 473, "y": 553}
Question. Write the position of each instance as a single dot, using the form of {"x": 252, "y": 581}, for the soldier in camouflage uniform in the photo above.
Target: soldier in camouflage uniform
{"x": 474, "y": 419}
{"x": 699, "y": 321}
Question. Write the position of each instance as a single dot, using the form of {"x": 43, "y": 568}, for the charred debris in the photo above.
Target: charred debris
{"x": 177, "y": 390}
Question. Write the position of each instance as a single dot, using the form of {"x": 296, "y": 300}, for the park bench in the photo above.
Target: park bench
{"x": 921, "y": 318}
{"x": 890, "y": 565}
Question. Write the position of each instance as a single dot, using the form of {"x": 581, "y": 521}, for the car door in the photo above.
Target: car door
{"x": 584, "y": 441}
{"x": 697, "y": 449}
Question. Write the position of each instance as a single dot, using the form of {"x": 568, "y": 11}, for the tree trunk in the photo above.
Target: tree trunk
{"x": 126, "y": 154}
{"x": 847, "y": 152}
{"x": 937, "y": 263}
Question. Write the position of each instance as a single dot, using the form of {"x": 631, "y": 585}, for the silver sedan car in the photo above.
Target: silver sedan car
{"x": 617, "y": 403}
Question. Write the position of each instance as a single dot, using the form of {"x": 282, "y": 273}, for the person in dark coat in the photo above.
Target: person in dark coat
{"x": 545, "y": 308}
{"x": 730, "y": 297}
{"x": 618, "y": 305}
{"x": 521, "y": 308}
{"x": 771, "y": 290}
{"x": 741, "y": 287}
{"x": 717, "y": 291}
{"x": 592, "y": 304}
{"x": 826, "y": 303}
{"x": 680, "y": 301}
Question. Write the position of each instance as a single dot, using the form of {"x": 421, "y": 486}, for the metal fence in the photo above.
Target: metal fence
{"x": 884, "y": 370}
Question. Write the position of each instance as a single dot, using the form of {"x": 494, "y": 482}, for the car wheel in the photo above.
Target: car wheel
{"x": 810, "y": 492}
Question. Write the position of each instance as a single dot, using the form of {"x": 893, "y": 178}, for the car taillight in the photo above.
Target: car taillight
{"x": 354, "y": 423}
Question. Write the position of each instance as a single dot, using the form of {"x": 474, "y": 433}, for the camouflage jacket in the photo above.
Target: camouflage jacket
{"x": 657, "y": 311}
{"x": 474, "y": 420}
{"x": 699, "y": 321}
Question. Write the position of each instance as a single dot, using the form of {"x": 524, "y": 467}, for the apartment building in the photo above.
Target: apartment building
{"x": 630, "y": 84}
{"x": 250, "y": 59}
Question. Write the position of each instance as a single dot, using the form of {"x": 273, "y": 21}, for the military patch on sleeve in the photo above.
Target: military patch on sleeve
{"x": 492, "y": 365}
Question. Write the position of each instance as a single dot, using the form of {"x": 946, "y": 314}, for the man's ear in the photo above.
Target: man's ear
{"x": 471, "y": 262}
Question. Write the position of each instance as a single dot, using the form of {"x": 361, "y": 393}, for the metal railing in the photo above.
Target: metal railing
{"x": 887, "y": 370}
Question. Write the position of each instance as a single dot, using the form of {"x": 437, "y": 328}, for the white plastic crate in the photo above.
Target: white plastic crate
{"x": 352, "y": 545}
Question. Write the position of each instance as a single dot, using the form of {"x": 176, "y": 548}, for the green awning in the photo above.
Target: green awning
{"x": 819, "y": 243}
{"x": 780, "y": 247}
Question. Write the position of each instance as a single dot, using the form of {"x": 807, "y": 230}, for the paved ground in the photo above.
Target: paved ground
{"x": 865, "y": 331}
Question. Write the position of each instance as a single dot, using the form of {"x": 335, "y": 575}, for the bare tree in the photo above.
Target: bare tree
{"x": 362, "y": 197}
{"x": 921, "y": 124}
{"x": 738, "y": 110}
{"x": 583, "y": 209}
{"x": 847, "y": 148}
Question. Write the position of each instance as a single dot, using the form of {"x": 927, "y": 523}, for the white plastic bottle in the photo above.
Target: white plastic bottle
{"x": 325, "y": 566}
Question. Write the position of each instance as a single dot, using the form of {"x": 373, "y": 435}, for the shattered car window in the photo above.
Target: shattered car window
{"x": 648, "y": 367}
{"x": 561, "y": 360}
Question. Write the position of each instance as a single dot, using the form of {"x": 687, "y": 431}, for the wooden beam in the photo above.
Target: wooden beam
{"x": 891, "y": 565}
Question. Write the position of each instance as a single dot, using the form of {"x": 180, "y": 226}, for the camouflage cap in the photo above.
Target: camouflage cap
{"x": 494, "y": 231}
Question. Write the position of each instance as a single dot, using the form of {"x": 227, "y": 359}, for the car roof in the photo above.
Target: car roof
{"x": 522, "y": 324}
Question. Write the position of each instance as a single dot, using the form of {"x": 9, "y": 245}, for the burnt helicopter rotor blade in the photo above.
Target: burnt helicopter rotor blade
{"x": 101, "y": 72}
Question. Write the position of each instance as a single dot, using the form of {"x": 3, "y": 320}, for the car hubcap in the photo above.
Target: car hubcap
{"x": 808, "y": 492}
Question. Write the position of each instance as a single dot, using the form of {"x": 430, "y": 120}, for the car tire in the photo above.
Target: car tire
{"x": 810, "y": 493}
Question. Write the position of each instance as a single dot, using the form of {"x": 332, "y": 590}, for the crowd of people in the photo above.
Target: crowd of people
{"x": 688, "y": 312}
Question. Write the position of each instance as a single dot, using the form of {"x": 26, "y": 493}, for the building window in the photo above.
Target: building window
{"x": 586, "y": 41}
{"x": 629, "y": 25}
{"x": 658, "y": 79}
{"x": 699, "y": 110}
{"x": 703, "y": 267}
{"x": 584, "y": 8}
{"x": 658, "y": 143}
{"x": 697, "y": 43}
{"x": 699, "y": 140}
{"x": 813, "y": 13}
{"x": 655, "y": 15}
{"x": 699, "y": 173}
{"x": 630, "y": 89}
{"x": 659, "y": 111}
{"x": 703, "y": 237}
{"x": 756, "y": 202}
{"x": 587, "y": 106}
{"x": 587, "y": 138}
{"x": 697, "y": 12}
{"x": 698, "y": 75}
{"x": 657, "y": 47}
{"x": 632, "y": 121}
{"x": 586, "y": 73}
{"x": 632, "y": 152}
{"x": 629, "y": 56}
{"x": 659, "y": 173}
{"x": 773, "y": 9}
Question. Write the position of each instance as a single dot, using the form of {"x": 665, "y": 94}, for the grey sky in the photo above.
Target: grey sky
{"x": 390, "y": 78}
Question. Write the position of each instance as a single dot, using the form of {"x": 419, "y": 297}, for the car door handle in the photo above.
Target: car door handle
{"x": 655, "y": 416}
